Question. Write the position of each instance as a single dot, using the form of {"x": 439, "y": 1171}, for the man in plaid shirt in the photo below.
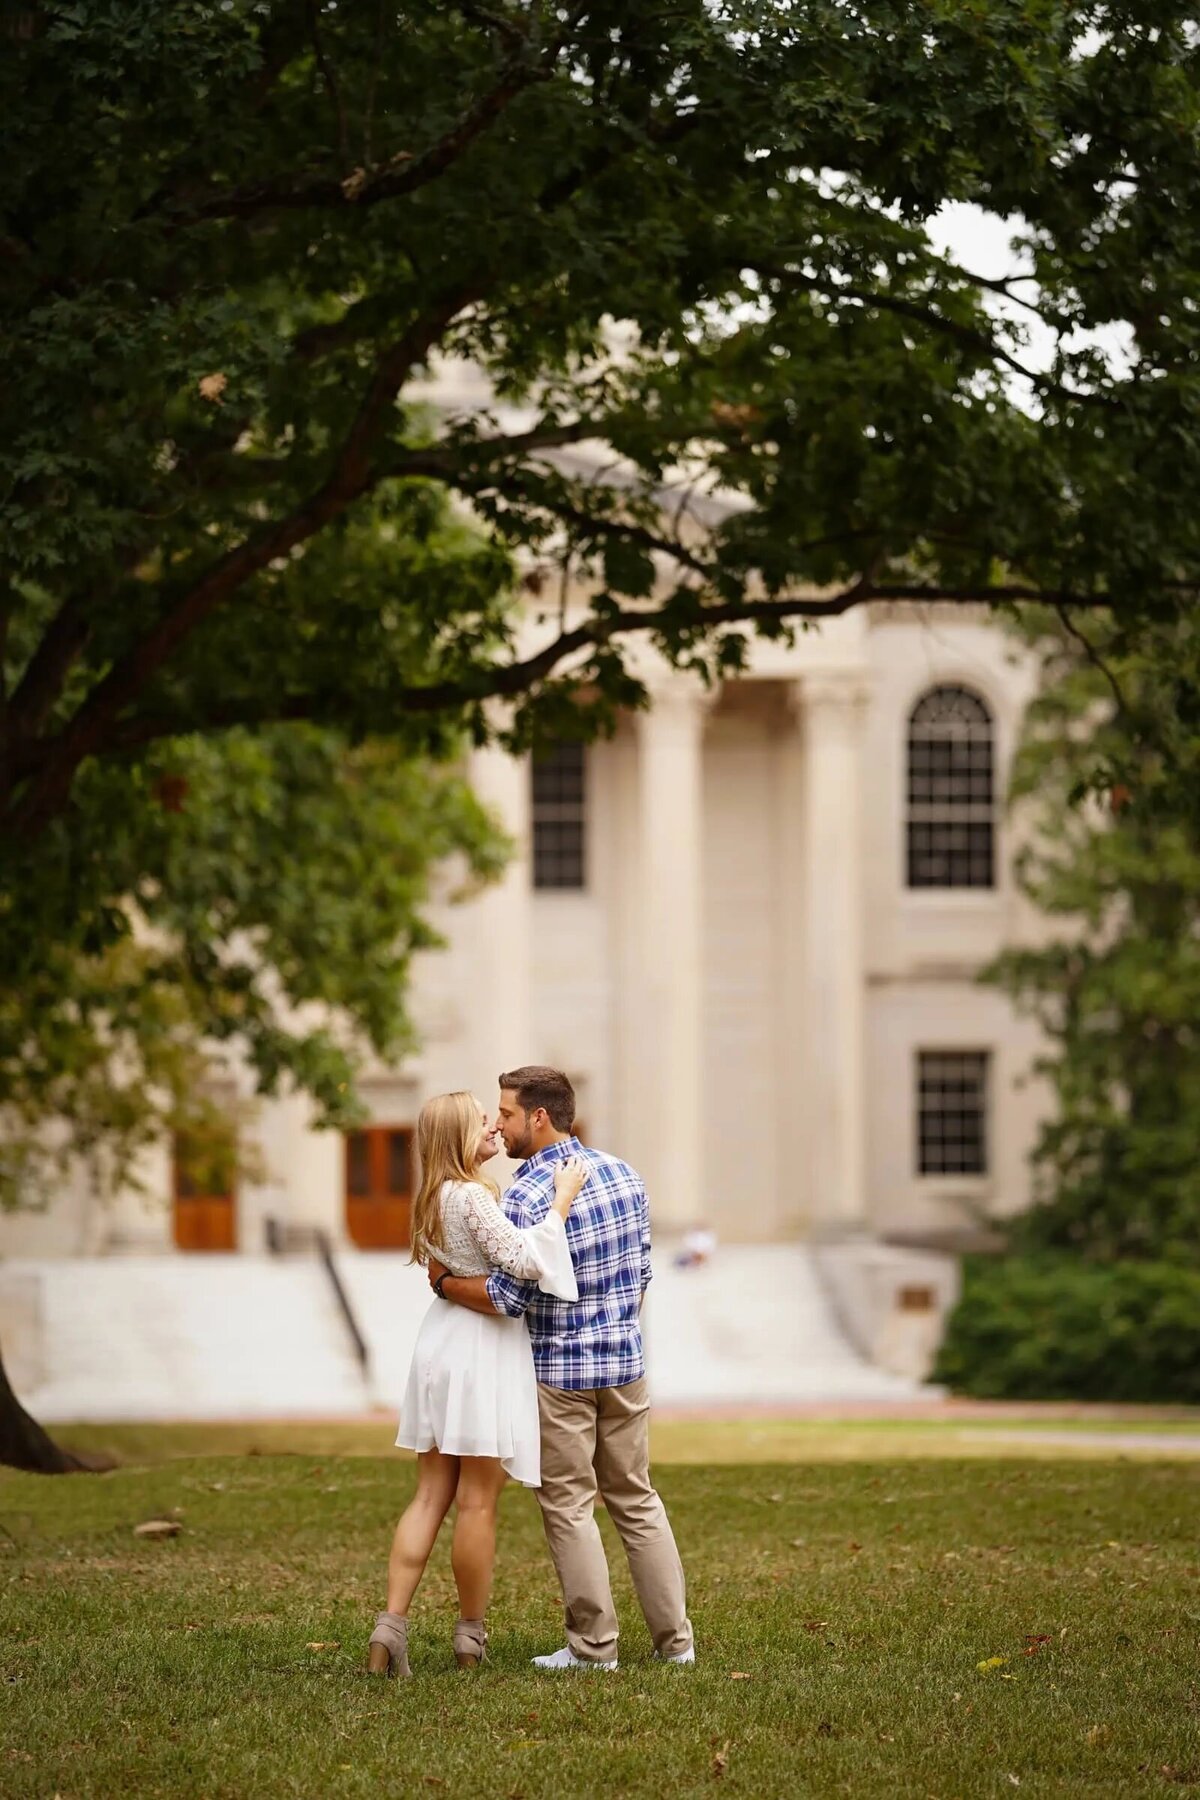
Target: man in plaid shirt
{"x": 587, "y": 1354}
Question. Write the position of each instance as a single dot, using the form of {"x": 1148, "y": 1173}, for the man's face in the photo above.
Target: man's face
{"x": 516, "y": 1125}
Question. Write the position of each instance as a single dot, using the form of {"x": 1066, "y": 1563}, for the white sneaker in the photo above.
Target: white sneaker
{"x": 567, "y": 1659}
{"x": 685, "y": 1656}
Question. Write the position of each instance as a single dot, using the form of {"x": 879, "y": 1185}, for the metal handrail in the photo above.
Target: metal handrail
{"x": 325, "y": 1249}
{"x": 282, "y": 1236}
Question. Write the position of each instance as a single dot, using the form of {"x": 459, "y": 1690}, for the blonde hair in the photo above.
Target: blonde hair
{"x": 448, "y": 1140}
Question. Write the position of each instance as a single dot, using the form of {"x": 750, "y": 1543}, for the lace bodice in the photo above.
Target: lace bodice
{"x": 477, "y": 1237}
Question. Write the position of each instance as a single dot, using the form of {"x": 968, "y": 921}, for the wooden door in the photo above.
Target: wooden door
{"x": 379, "y": 1187}
{"x": 203, "y": 1221}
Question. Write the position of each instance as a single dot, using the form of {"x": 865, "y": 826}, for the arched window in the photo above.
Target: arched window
{"x": 951, "y": 791}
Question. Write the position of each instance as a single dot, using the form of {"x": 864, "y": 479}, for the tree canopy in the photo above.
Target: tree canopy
{"x": 735, "y": 383}
{"x": 258, "y": 894}
{"x": 1109, "y": 770}
{"x": 234, "y": 236}
{"x": 686, "y": 242}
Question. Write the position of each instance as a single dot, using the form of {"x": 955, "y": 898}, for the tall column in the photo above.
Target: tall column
{"x": 669, "y": 1061}
{"x": 500, "y": 1005}
{"x": 831, "y": 966}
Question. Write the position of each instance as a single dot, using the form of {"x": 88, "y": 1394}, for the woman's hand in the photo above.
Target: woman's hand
{"x": 569, "y": 1177}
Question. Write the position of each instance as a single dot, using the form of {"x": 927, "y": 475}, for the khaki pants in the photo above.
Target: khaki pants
{"x": 598, "y": 1438}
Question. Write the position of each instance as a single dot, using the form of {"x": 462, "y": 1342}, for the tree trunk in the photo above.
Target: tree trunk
{"x": 23, "y": 1443}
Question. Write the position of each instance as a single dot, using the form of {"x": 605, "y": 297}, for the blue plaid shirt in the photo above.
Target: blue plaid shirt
{"x": 595, "y": 1341}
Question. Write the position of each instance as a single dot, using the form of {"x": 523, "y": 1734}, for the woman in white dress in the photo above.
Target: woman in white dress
{"x": 470, "y": 1409}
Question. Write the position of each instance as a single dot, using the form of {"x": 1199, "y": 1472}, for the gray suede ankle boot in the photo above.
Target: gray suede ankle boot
{"x": 389, "y": 1645}
{"x": 469, "y": 1641}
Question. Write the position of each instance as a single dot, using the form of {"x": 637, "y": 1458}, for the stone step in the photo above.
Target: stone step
{"x": 753, "y": 1324}
{"x": 245, "y": 1336}
{"x": 164, "y": 1337}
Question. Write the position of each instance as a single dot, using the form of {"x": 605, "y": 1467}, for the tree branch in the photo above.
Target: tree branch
{"x": 330, "y": 80}
{"x": 402, "y": 174}
{"x": 373, "y": 85}
{"x": 1093, "y": 655}
{"x": 48, "y": 668}
{"x": 350, "y": 477}
{"x": 924, "y": 314}
{"x": 507, "y": 681}
{"x": 444, "y": 461}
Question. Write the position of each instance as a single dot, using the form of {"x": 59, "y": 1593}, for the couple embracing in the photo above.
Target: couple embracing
{"x": 529, "y": 1364}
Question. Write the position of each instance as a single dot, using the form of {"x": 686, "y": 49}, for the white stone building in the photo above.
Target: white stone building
{"x": 749, "y": 928}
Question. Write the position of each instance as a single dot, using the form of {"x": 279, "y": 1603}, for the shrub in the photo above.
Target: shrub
{"x": 1056, "y": 1328}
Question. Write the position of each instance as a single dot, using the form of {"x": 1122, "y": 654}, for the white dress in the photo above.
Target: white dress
{"x": 471, "y": 1387}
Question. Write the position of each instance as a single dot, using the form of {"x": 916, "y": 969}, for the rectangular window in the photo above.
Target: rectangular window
{"x": 379, "y": 1184}
{"x": 205, "y": 1205}
{"x": 400, "y": 1162}
{"x": 559, "y": 780}
{"x": 358, "y": 1164}
{"x": 952, "y": 1095}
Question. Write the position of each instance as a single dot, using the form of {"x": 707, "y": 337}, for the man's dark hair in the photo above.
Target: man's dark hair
{"x": 536, "y": 1086}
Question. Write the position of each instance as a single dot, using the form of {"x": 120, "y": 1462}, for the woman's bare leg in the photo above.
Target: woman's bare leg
{"x": 420, "y": 1522}
{"x": 473, "y": 1555}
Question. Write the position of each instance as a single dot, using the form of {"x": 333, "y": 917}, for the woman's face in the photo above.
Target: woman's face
{"x": 487, "y": 1146}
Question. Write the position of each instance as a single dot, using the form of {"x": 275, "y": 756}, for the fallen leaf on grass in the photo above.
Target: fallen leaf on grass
{"x": 158, "y": 1528}
{"x": 720, "y": 1761}
{"x": 1099, "y": 1735}
{"x": 815, "y": 1625}
{"x": 322, "y": 1644}
{"x": 1034, "y": 1641}
{"x": 991, "y": 1662}
{"x": 740, "y": 1675}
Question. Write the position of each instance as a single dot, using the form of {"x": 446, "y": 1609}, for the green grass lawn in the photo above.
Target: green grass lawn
{"x": 680, "y": 1439}
{"x": 843, "y": 1612}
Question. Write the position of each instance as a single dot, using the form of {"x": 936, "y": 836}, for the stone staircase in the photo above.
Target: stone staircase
{"x": 753, "y": 1326}
{"x": 244, "y": 1336}
{"x": 179, "y": 1338}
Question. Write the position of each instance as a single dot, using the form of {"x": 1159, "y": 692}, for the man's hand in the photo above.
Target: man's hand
{"x": 435, "y": 1270}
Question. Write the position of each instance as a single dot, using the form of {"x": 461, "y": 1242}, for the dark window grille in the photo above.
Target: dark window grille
{"x": 358, "y": 1164}
{"x": 399, "y": 1162}
{"x": 200, "y": 1174}
{"x": 952, "y": 1090}
{"x": 951, "y": 792}
{"x": 560, "y": 817}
